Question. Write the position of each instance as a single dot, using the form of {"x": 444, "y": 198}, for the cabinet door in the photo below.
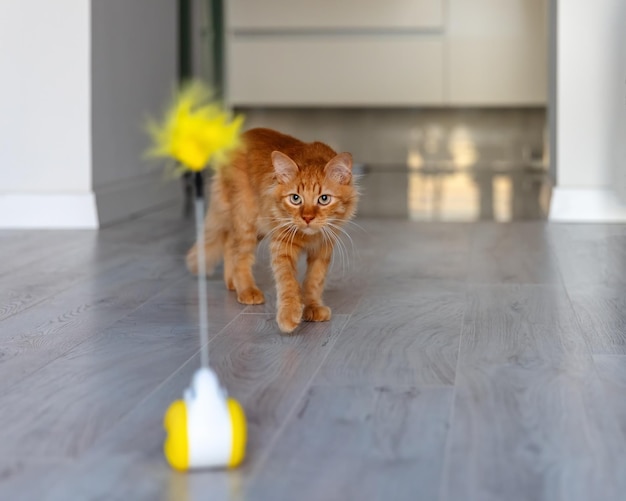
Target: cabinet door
{"x": 358, "y": 70}
{"x": 497, "y": 52}
{"x": 334, "y": 14}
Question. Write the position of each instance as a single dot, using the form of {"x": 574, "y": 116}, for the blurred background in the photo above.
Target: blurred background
{"x": 454, "y": 110}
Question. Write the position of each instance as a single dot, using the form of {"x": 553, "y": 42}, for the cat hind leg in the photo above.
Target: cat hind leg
{"x": 213, "y": 252}
{"x": 241, "y": 250}
{"x": 229, "y": 265}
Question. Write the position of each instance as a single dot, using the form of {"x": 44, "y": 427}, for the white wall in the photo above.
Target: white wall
{"x": 45, "y": 96}
{"x": 78, "y": 78}
{"x": 588, "y": 33}
{"x": 590, "y": 100}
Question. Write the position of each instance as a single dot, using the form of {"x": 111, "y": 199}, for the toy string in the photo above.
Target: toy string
{"x": 202, "y": 286}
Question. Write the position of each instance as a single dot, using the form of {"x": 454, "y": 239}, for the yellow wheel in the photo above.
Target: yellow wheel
{"x": 176, "y": 447}
{"x": 238, "y": 421}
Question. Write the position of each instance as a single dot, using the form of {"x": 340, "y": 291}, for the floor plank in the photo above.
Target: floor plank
{"x": 21, "y": 249}
{"x": 26, "y": 287}
{"x": 101, "y": 379}
{"x": 32, "y": 478}
{"x": 366, "y": 443}
{"x": 593, "y": 255}
{"x": 464, "y": 362}
{"x": 424, "y": 252}
{"x": 520, "y": 434}
{"x": 29, "y": 344}
{"x": 512, "y": 254}
{"x": 601, "y": 310}
{"x": 516, "y": 323}
{"x": 399, "y": 337}
{"x": 612, "y": 372}
{"x": 525, "y": 420}
{"x": 29, "y": 339}
{"x": 268, "y": 373}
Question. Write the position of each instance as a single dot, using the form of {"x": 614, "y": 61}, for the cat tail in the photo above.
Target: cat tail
{"x": 214, "y": 236}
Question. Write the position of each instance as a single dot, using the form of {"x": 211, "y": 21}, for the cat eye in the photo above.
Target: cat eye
{"x": 295, "y": 199}
{"x": 324, "y": 200}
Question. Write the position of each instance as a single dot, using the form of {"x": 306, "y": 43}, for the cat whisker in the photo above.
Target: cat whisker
{"x": 271, "y": 233}
{"x": 284, "y": 228}
{"x": 341, "y": 250}
{"x": 275, "y": 229}
{"x": 344, "y": 256}
{"x": 356, "y": 225}
{"x": 342, "y": 245}
{"x": 284, "y": 235}
{"x": 328, "y": 241}
{"x": 344, "y": 232}
{"x": 293, "y": 234}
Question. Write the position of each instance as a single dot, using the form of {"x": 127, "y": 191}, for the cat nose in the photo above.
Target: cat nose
{"x": 308, "y": 219}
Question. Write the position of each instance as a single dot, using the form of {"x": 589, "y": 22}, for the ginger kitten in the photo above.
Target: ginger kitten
{"x": 297, "y": 195}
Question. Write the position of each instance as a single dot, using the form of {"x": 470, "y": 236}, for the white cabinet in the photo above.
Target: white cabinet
{"x": 334, "y": 71}
{"x": 497, "y": 52}
{"x": 325, "y": 15}
{"x": 386, "y": 53}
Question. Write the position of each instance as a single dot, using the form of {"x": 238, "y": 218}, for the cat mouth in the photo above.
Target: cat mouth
{"x": 308, "y": 230}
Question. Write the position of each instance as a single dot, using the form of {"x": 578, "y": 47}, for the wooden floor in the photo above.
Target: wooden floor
{"x": 463, "y": 362}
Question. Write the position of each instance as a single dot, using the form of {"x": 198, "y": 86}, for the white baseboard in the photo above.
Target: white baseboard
{"x": 577, "y": 205}
{"x": 48, "y": 211}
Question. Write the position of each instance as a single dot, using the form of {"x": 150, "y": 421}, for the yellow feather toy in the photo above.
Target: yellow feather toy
{"x": 195, "y": 131}
{"x": 205, "y": 429}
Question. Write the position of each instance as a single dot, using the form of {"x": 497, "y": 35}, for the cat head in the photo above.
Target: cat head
{"x": 315, "y": 195}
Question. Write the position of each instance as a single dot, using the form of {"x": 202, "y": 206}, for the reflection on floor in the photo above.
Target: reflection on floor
{"x": 450, "y": 195}
{"x": 434, "y": 164}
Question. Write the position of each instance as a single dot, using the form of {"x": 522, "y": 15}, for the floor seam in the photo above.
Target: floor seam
{"x": 261, "y": 462}
{"x": 78, "y": 282}
{"x": 451, "y": 414}
{"x": 95, "y": 333}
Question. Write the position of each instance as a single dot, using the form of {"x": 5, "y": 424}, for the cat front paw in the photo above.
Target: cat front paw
{"x": 251, "y": 295}
{"x": 289, "y": 317}
{"x": 313, "y": 313}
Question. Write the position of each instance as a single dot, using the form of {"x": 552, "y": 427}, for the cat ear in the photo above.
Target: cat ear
{"x": 339, "y": 169}
{"x": 285, "y": 168}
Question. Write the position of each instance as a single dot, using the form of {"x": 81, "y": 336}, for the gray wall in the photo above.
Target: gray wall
{"x": 552, "y": 85}
{"x": 134, "y": 71}
{"x": 619, "y": 111}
